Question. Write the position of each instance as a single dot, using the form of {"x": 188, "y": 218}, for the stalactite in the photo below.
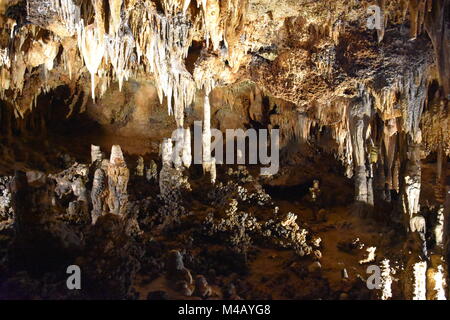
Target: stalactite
{"x": 92, "y": 49}
{"x": 212, "y": 23}
{"x": 381, "y": 31}
{"x": 414, "y": 88}
{"x": 119, "y": 49}
{"x": 115, "y": 7}
{"x": 438, "y": 29}
{"x": 164, "y": 41}
{"x": 69, "y": 13}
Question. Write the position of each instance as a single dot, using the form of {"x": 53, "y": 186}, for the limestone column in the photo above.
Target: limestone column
{"x": 359, "y": 125}
{"x": 209, "y": 164}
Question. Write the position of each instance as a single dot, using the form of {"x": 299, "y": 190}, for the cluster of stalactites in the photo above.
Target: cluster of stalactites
{"x": 69, "y": 13}
{"x": 95, "y": 45}
{"x": 136, "y": 37}
{"x": 164, "y": 40}
{"x": 386, "y": 102}
{"x": 222, "y": 27}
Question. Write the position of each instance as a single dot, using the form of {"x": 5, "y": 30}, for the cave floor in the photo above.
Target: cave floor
{"x": 281, "y": 274}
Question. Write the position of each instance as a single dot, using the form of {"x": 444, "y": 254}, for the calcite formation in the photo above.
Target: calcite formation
{"x": 358, "y": 91}
{"x": 118, "y": 176}
{"x": 98, "y": 194}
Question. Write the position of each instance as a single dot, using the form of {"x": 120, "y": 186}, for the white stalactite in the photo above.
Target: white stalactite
{"x": 119, "y": 51}
{"x": 69, "y": 13}
{"x": 165, "y": 41}
{"x": 92, "y": 49}
{"x": 115, "y": 7}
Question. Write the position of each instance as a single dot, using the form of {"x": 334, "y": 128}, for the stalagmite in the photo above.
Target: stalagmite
{"x": 436, "y": 278}
{"x": 413, "y": 177}
{"x": 418, "y": 224}
{"x": 152, "y": 172}
{"x": 167, "y": 152}
{"x": 98, "y": 194}
{"x": 140, "y": 167}
{"x": 386, "y": 280}
{"x": 420, "y": 281}
{"x": 209, "y": 164}
{"x": 187, "y": 154}
{"x": 440, "y": 284}
{"x": 439, "y": 228}
{"x": 310, "y": 70}
{"x": 4, "y": 58}
{"x": 118, "y": 176}
{"x": 79, "y": 209}
{"x": 79, "y": 190}
{"x": 96, "y": 154}
{"x": 176, "y": 271}
{"x": 177, "y": 152}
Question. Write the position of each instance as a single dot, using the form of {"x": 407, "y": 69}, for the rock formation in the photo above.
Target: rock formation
{"x": 355, "y": 97}
{"x": 118, "y": 176}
